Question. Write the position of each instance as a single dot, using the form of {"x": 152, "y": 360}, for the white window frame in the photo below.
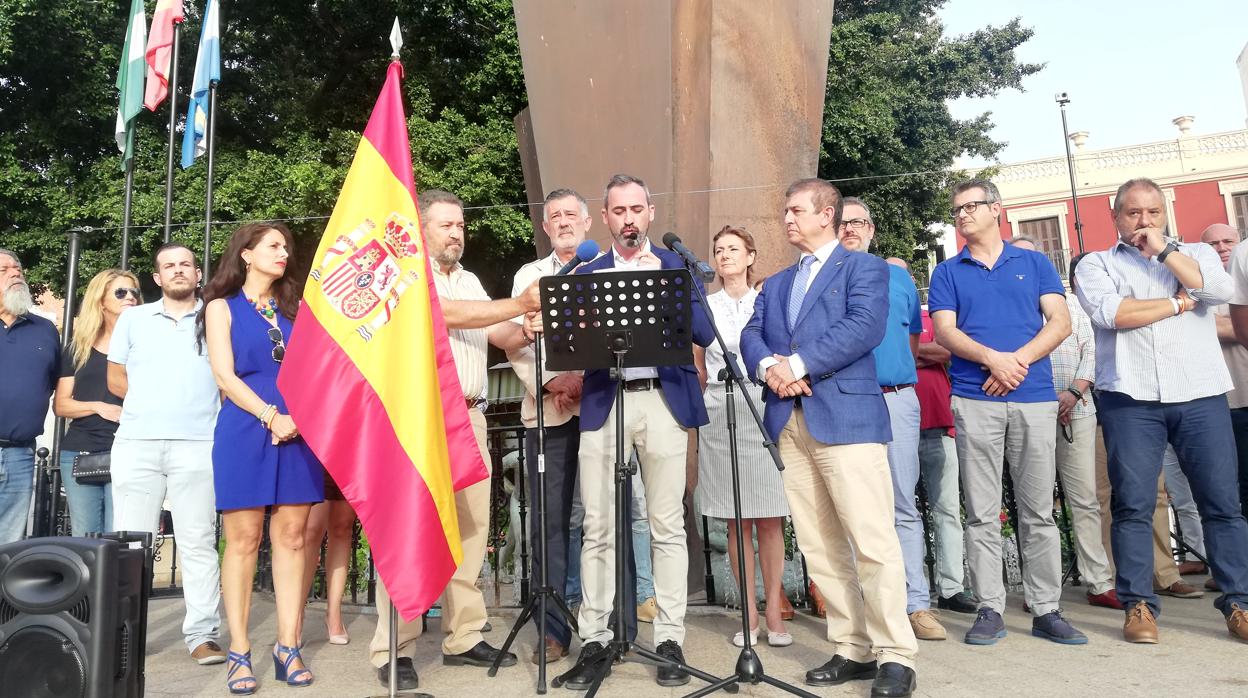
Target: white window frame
{"x": 1228, "y": 190}
{"x": 1031, "y": 213}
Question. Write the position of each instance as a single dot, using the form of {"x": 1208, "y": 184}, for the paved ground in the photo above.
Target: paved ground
{"x": 1196, "y": 657}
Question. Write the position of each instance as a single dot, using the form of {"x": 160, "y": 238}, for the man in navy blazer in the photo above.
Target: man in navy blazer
{"x": 810, "y": 340}
{"x": 663, "y": 403}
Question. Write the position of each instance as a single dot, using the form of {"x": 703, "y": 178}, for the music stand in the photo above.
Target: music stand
{"x": 618, "y": 320}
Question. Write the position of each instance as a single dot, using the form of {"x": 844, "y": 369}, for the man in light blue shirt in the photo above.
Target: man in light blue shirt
{"x": 1161, "y": 377}
{"x": 895, "y": 369}
{"x": 164, "y": 440}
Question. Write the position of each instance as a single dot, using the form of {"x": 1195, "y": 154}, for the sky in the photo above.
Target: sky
{"x": 1129, "y": 67}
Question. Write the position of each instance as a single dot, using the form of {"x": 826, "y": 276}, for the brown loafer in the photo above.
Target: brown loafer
{"x": 1181, "y": 590}
{"x": 1212, "y": 585}
{"x": 1141, "y": 626}
{"x": 1193, "y": 567}
{"x": 554, "y": 651}
{"x": 816, "y": 601}
{"x": 786, "y": 609}
{"x": 1237, "y": 623}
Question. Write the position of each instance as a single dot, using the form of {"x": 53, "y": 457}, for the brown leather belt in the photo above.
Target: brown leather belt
{"x": 640, "y": 384}
{"x": 475, "y": 403}
{"x": 895, "y": 388}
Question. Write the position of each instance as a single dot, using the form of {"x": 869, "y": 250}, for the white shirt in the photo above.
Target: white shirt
{"x": 1235, "y": 353}
{"x": 621, "y": 264}
{"x": 795, "y": 361}
{"x": 1176, "y": 359}
{"x": 522, "y": 359}
{"x": 469, "y": 347}
{"x": 731, "y": 316}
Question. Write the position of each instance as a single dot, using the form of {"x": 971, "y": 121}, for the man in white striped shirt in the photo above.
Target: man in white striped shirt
{"x": 1160, "y": 377}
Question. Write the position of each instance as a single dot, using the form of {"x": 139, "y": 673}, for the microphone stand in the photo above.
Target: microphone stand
{"x": 749, "y": 668}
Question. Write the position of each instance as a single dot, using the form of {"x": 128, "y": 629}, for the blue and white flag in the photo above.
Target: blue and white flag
{"x": 207, "y": 71}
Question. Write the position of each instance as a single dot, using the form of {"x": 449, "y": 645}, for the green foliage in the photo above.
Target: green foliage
{"x": 891, "y": 71}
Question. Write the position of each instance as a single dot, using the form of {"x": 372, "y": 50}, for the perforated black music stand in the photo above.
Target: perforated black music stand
{"x": 618, "y": 320}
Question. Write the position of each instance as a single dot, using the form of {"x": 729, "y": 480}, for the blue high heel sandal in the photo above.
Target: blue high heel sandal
{"x": 243, "y": 686}
{"x": 282, "y": 670}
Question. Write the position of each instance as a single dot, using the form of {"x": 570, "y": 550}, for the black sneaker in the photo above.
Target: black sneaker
{"x": 988, "y": 628}
{"x": 1052, "y": 626}
{"x": 961, "y": 602}
{"x": 670, "y": 674}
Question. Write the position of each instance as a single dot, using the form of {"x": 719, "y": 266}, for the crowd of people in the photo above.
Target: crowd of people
{"x": 1131, "y": 389}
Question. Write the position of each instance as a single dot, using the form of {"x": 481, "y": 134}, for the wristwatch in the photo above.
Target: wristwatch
{"x": 1075, "y": 391}
{"x": 1165, "y": 252}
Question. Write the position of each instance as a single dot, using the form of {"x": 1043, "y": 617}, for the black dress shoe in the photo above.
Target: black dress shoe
{"x": 405, "y": 673}
{"x": 480, "y": 655}
{"x": 588, "y": 664}
{"x": 668, "y": 674}
{"x": 893, "y": 681}
{"x": 960, "y": 602}
{"x": 838, "y": 670}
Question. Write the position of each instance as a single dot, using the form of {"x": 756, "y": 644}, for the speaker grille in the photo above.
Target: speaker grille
{"x": 39, "y": 662}
{"x": 7, "y": 612}
{"x": 81, "y": 611}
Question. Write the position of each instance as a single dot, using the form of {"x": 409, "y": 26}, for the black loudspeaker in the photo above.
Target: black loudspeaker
{"x": 72, "y": 617}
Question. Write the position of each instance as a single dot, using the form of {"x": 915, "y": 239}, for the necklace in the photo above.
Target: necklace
{"x": 268, "y": 311}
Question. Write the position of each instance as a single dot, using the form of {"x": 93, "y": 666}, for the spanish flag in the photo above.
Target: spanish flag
{"x": 160, "y": 51}
{"x": 368, "y": 374}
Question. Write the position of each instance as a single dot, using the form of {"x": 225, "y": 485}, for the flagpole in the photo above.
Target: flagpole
{"x": 212, "y": 137}
{"x": 125, "y": 212}
{"x": 173, "y": 127}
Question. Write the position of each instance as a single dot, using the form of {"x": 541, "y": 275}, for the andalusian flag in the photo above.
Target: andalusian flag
{"x": 160, "y": 50}
{"x": 368, "y": 374}
{"x": 207, "y": 71}
{"x": 130, "y": 81}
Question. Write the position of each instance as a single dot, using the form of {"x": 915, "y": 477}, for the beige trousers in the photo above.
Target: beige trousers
{"x": 661, "y": 444}
{"x": 1165, "y": 569}
{"x": 463, "y": 606}
{"x": 841, "y": 500}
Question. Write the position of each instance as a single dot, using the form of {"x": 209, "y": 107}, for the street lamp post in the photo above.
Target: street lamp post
{"x": 1062, "y": 100}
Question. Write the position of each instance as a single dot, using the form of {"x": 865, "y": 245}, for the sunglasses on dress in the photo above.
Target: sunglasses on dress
{"x": 279, "y": 346}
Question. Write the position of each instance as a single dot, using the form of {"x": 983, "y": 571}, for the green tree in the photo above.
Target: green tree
{"x": 891, "y": 72}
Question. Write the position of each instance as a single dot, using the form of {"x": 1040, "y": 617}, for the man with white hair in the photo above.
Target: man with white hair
{"x": 30, "y": 354}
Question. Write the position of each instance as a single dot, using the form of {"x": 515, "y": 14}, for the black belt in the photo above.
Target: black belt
{"x": 17, "y": 444}
{"x": 895, "y": 388}
{"x": 640, "y": 384}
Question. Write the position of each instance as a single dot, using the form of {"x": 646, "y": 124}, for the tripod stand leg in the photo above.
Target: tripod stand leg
{"x": 525, "y": 613}
{"x": 786, "y": 687}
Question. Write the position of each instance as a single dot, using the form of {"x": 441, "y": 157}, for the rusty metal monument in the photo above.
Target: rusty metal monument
{"x": 717, "y": 104}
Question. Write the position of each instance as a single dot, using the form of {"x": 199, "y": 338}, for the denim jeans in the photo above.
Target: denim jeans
{"x": 90, "y": 505}
{"x": 17, "y": 484}
{"x": 903, "y": 466}
{"x": 938, "y": 459}
{"x": 641, "y": 541}
{"x": 1136, "y": 433}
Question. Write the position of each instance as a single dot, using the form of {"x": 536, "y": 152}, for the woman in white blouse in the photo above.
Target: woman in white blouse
{"x": 763, "y": 505}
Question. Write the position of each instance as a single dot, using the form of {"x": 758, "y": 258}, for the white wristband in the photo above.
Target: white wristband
{"x": 1175, "y": 302}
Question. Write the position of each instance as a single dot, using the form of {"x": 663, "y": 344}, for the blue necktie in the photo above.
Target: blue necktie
{"x": 798, "y": 294}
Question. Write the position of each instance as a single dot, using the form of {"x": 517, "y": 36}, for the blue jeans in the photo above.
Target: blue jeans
{"x": 90, "y": 505}
{"x": 1136, "y": 433}
{"x": 641, "y": 542}
{"x": 903, "y": 464}
{"x": 17, "y": 476}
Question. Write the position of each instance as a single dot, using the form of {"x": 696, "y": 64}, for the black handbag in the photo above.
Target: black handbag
{"x": 92, "y": 468}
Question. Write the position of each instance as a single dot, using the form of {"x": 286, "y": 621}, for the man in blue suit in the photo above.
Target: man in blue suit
{"x": 811, "y": 338}
{"x": 663, "y": 403}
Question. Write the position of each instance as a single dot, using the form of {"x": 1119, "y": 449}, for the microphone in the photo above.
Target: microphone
{"x": 585, "y": 252}
{"x": 673, "y": 243}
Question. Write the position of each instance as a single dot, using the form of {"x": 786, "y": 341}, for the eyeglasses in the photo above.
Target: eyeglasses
{"x": 969, "y": 207}
{"x": 857, "y": 223}
{"x": 279, "y": 347}
{"x": 120, "y": 293}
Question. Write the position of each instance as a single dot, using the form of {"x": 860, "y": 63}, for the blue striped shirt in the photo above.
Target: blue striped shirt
{"x": 1176, "y": 359}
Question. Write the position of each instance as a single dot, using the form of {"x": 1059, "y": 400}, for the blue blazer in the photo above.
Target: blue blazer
{"x": 842, "y": 319}
{"x": 680, "y": 383}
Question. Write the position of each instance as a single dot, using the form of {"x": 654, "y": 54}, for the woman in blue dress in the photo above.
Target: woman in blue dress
{"x": 258, "y": 457}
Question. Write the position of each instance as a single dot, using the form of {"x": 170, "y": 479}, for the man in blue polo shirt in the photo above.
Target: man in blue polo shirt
{"x": 896, "y": 372}
{"x": 30, "y": 353}
{"x": 1000, "y": 310}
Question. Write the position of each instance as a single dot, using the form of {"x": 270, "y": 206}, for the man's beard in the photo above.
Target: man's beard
{"x": 17, "y": 300}
{"x": 449, "y": 257}
{"x": 632, "y": 242}
{"x": 178, "y": 294}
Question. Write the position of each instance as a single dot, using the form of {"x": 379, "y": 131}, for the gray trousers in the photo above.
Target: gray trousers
{"x": 1022, "y": 434}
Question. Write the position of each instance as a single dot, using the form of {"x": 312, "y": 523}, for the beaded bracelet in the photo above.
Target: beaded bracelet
{"x": 266, "y": 415}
